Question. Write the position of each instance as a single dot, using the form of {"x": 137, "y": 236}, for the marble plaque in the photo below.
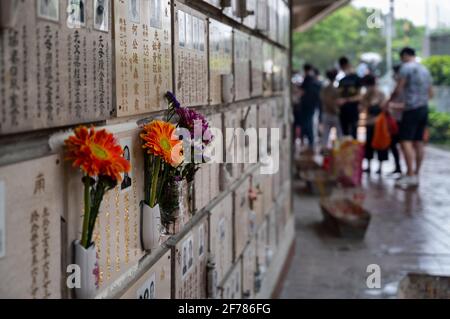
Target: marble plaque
{"x": 55, "y": 66}
{"x": 248, "y": 270}
{"x": 215, "y": 121}
{"x": 267, "y": 193}
{"x": 273, "y": 20}
{"x": 272, "y": 236}
{"x": 249, "y": 122}
{"x": 280, "y": 69}
{"x": 220, "y": 58}
{"x": 155, "y": 283}
{"x": 232, "y": 287}
{"x": 258, "y": 204}
{"x": 31, "y": 205}
{"x": 143, "y": 55}
{"x": 190, "y": 261}
{"x": 284, "y": 24}
{"x": 241, "y": 218}
{"x": 191, "y": 61}
{"x": 250, "y": 20}
{"x": 201, "y": 192}
{"x": 262, "y": 11}
{"x": 241, "y": 65}
{"x": 230, "y": 170}
{"x": 268, "y": 67}
{"x": 257, "y": 66}
{"x": 215, "y": 3}
{"x": 117, "y": 232}
{"x": 262, "y": 247}
{"x": 221, "y": 236}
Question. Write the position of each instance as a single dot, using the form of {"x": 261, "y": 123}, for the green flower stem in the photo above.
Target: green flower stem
{"x": 87, "y": 210}
{"x": 154, "y": 189}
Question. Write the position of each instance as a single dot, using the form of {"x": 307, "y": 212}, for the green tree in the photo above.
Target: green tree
{"x": 345, "y": 32}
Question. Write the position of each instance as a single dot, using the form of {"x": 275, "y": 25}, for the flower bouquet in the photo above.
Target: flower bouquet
{"x": 101, "y": 160}
{"x": 170, "y": 165}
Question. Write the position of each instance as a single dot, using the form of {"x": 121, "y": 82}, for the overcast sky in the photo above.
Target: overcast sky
{"x": 414, "y": 10}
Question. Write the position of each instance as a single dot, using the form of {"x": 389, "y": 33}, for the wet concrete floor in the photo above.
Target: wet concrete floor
{"x": 409, "y": 232}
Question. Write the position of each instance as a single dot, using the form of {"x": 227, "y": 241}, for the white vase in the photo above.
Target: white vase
{"x": 150, "y": 226}
{"x": 86, "y": 259}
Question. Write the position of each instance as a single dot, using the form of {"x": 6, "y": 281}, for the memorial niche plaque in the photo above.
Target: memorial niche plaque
{"x": 248, "y": 270}
{"x": 273, "y": 22}
{"x": 232, "y": 287}
{"x": 221, "y": 238}
{"x": 220, "y": 58}
{"x": 262, "y": 22}
{"x": 55, "y": 66}
{"x": 215, "y": 3}
{"x": 190, "y": 257}
{"x": 241, "y": 65}
{"x": 215, "y": 121}
{"x": 117, "y": 231}
{"x": 143, "y": 43}
{"x": 191, "y": 61}
{"x": 241, "y": 218}
{"x": 250, "y": 20}
{"x": 31, "y": 202}
{"x": 155, "y": 283}
{"x": 257, "y": 66}
{"x": 268, "y": 68}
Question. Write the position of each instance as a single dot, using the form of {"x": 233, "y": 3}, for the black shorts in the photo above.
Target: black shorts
{"x": 413, "y": 124}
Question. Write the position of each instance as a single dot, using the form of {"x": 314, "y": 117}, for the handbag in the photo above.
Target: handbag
{"x": 382, "y": 137}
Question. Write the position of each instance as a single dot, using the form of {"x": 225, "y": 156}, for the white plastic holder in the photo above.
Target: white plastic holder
{"x": 150, "y": 226}
{"x": 86, "y": 259}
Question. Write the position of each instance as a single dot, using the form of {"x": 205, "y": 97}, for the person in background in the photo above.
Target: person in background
{"x": 330, "y": 116}
{"x": 395, "y": 110}
{"x": 371, "y": 103}
{"x": 415, "y": 84}
{"x": 350, "y": 96}
{"x": 309, "y": 103}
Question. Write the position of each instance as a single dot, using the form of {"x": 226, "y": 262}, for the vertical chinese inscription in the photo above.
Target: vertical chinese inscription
{"x": 143, "y": 55}
{"x": 52, "y": 75}
{"x": 31, "y": 264}
{"x": 190, "y": 57}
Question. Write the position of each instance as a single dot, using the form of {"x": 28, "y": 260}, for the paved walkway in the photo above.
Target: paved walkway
{"x": 409, "y": 232}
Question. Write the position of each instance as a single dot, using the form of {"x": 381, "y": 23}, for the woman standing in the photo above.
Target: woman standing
{"x": 371, "y": 104}
{"x": 330, "y": 109}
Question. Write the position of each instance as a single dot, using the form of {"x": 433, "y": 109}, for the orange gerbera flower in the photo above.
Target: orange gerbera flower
{"x": 160, "y": 140}
{"x": 96, "y": 153}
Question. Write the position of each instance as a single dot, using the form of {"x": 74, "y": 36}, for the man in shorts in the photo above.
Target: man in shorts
{"x": 415, "y": 84}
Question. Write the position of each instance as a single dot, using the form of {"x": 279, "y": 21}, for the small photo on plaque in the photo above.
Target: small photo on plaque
{"x": 48, "y": 9}
{"x": 201, "y": 34}
{"x": 190, "y": 252}
{"x": 195, "y": 34}
{"x": 101, "y": 15}
{"x": 134, "y": 10}
{"x": 76, "y": 11}
{"x": 184, "y": 258}
{"x": 201, "y": 240}
{"x": 156, "y": 14}
{"x": 189, "y": 34}
{"x": 222, "y": 229}
{"x": 148, "y": 289}
{"x": 127, "y": 180}
{"x": 181, "y": 28}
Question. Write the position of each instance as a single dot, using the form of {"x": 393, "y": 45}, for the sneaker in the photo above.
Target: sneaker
{"x": 407, "y": 181}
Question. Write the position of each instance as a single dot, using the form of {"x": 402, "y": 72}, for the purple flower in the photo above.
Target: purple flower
{"x": 190, "y": 118}
{"x": 173, "y": 100}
